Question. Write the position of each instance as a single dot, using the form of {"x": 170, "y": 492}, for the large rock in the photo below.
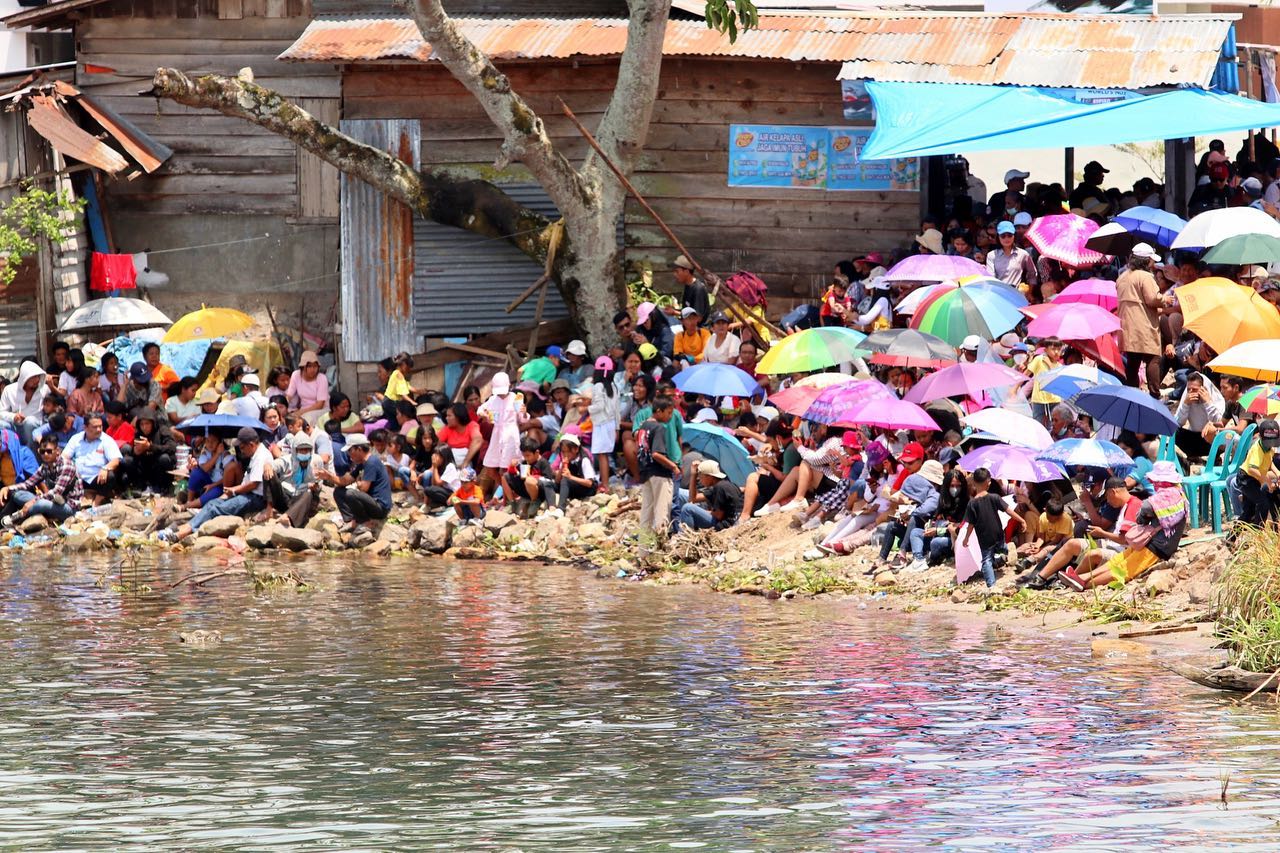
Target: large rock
{"x": 592, "y": 531}
{"x": 259, "y": 536}
{"x": 297, "y": 539}
{"x": 208, "y": 543}
{"x": 135, "y": 520}
{"x": 33, "y": 524}
{"x": 495, "y": 520}
{"x": 885, "y": 578}
{"x": 394, "y": 534}
{"x": 430, "y": 534}
{"x": 1161, "y": 581}
{"x": 1199, "y": 592}
{"x": 94, "y": 539}
{"x": 223, "y": 525}
{"x": 468, "y": 536}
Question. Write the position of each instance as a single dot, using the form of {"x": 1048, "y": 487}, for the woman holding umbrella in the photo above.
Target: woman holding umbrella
{"x": 1139, "y": 311}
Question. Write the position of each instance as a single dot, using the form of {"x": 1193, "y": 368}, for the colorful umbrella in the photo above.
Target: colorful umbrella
{"x": 1012, "y": 463}
{"x": 1262, "y": 400}
{"x": 1088, "y": 453}
{"x": 1010, "y": 427}
{"x": 889, "y": 413}
{"x": 1245, "y": 249}
{"x": 1127, "y": 408}
{"x": 812, "y": 349}
{"x": 984, "y": 309}
{"x": 910, "y": 303}
{"x": 934, "y": 268}
{"x": 1151, "y": 224}
{"x": 822, "y": 380}
{"x": 837, "y": 403}
{"x": 1062, "y": 237}
{"x": 966, "y": 379}
{"x": 1073, "y": 321}
{"x": 715, "y": 442}
{"x": 1213, "y": 226}
{"x": 1224, "y": 313}
{"x": 717, "y": 380}
{"x": 208, "y": 323}
{"x": 1090, "y": 291}
{"x": 1257, "y": 360}
{"x": 1066, "y": 382}
{"x": 909, "y": 348}
{"x": 1112, "y": 239}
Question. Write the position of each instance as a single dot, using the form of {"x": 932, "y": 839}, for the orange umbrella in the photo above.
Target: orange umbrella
{"x": 1224, "y": 313}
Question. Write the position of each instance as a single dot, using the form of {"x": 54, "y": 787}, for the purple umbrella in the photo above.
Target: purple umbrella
{"x": 1073, "y": 322}
{"x": 889, "y": 413}
{"x": 836, "y": 402}
{"x": 934, "y": 268}
{"x": 966, "y": 379}
{"x": 1011, "y": 463}
{"x": 1090, "y": 291}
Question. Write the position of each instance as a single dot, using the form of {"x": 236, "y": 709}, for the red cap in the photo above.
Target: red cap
{"x": 851, "y": 440}
{"x": 912, "y": 452}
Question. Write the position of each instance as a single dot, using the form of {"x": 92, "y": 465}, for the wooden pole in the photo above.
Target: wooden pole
{"x": 735, "y": 306}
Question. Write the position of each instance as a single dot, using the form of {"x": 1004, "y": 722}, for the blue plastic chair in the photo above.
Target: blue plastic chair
{"x": 1167, "y": 451}
{"x": 1219, "y": 456}
{"x": 1219, "y": 506}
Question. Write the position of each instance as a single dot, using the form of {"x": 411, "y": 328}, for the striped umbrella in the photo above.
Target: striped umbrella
{"x": 812, "y": 349}
{"x": 983, "y": 308}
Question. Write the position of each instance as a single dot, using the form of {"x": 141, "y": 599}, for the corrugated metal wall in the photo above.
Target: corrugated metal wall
{"x": 377, "y": 252}
{"x": 463, "y": 281}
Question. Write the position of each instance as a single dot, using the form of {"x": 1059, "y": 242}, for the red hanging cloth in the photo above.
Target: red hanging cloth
{"x": 112, "y": 272}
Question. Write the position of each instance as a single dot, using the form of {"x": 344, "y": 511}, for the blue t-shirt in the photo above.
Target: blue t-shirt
{"x": 375, "y": 474}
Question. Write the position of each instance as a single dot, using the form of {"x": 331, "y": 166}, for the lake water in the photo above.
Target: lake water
{"x": 465, "y": 706}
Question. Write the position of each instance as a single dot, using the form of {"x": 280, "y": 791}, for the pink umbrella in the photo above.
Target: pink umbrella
{"x": 934, "y": 268}
{"x": 834, "y": 403}
{"x": 1062, "y": 238}
{"x": 1012, "y": 463}
{"x": 1090, "y": 291}
{"x": 1073, "y": 322}
{"x": 796, "y": 399}
{"x": 889, "y": 413}
{"x": 966, "y": 379}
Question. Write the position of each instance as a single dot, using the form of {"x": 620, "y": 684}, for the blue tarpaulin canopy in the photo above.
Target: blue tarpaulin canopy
{"x": 922, "y": 119}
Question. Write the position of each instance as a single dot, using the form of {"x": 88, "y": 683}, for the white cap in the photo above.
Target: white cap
{"x": 688, "y": 311}
{"x": 1252, "y": 186}
{"x": 1022, "y": 218}
{"x": 1143, "y": 250}
{"x": 251, "y": 379}
{"x": 576, "y": 348}
{"x": 972, "y": 342}
{"x": 1014, "y": 174}
{"x": 766, "y": 412}
{"x": 710, "y": 468}
{"x": 501, "y": 384}
{"x": 706, "y": 416}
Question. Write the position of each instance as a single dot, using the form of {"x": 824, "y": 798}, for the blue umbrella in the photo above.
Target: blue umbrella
{"x": 1127, "y": 408}
{"x": 716, "y": 442}
{"x": 1066, "y": 382}
{"x": 1152, "y": 224}
{"x": 1088, "y": 453}
{"x": 717, "y": 380}
{"x": 224, "y": 426}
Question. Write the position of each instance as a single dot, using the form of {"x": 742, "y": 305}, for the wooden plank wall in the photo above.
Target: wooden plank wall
{"x": 220, "y": 164}
{"x": 791, "y": 237}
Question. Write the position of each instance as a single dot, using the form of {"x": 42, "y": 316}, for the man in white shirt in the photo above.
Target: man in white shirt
{"x": 244, "y": 499}
{"x": 96, "y": 457}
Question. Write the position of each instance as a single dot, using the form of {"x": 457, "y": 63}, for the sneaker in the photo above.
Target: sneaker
{"x": 798, "y": 503}
{"x": 555, "y": 512}
{"x": 1071, "y": 579}
{"x": 767, "y": 509}
{"x": 812, "y": 523}
{"x": 7, "y": 522}
{"x": 813, "y": 554}
{"x": 167, "y": 536}
{"x": 917, "y": 566}
{"x": 827, "y": 549}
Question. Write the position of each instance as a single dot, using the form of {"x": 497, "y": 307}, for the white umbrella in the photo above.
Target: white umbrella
{"x": 1257, "y": 360}
{"x": 1213, "y": 226}
{"x": 1010, "y": 427}
{"x": 115, "y": 312}
{"x": 909, "y": 303}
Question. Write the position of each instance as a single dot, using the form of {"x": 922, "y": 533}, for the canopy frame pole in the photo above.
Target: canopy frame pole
{"x": 1069, "y": 169}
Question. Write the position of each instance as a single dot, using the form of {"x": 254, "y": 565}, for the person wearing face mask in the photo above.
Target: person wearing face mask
{"x": 301, "y": 487}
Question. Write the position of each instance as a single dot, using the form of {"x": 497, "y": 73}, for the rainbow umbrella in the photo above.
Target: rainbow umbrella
{"x": 984, "y": 309}
{"x": 1012, "y": 463}
{"x": 1062, "y": 237}
{"x": 1262, "y": 400}
{"x": 889, "y": 413}
{"x": 837, "y": 403}
{"x": 910, "y": 303}
{"x": 934, "y": 268}
{"x": 1073, "y": 322}
{"x": 1090, "y": 291}
{"x": 1224, "y": 313}
{"x": 813, "y": 349}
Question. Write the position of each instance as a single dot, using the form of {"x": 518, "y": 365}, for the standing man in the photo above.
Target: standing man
{"x": 1009, "y": 201}
{"x": 1010, "y": 264}
{"x": 695, "y": 294}
{"x": 1090, "y": 187}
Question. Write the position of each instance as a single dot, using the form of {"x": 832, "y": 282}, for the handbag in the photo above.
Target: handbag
{"x": 1139, "y": 536}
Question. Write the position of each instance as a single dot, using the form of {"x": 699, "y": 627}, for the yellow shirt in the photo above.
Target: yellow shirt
{"x": 1060, "y": 527}
{"x": 1035, "y": 367}
{"x": 1257, "y": 462}
{"x": 691, "y": 345}
{"x": 397, "y": 386}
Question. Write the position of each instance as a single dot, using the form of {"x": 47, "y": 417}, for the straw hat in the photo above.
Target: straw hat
{"x": 931, "y": 239}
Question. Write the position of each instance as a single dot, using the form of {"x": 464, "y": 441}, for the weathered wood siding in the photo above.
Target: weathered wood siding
{"x": 791, "y": 237}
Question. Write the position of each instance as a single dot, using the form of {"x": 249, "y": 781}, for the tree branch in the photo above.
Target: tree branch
{"x": 473, "y": 205}
{"x": 524, "y": 136}
{"x": 625, "y": 124}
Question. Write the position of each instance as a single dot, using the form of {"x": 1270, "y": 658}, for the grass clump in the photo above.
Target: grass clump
{"x": 1248, "y": 601}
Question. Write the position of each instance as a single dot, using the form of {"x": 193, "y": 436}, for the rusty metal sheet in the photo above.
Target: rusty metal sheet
{"x": 1049, "y": 50}
{"x": 149, "y": 153}
{"x": 49, "y": 120}
{"x": 377, "y": 251}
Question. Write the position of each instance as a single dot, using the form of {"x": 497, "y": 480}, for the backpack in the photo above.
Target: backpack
{"x": 644, "y": 450}
{"x": 749, "y": 288}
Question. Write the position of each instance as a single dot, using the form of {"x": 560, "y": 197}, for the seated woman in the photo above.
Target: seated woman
{"x": 953, "y": 499}
{"x": 573, "y": 477}
{"x": 819, "y": 470}
{"x": 441, "y": 479}
{"x": 773, "y": 464}
{"x": 204, "y": 481}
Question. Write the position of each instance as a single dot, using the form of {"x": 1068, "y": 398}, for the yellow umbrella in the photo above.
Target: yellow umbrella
{"x": 1224, "y": 313}
{"x": 207, "y": 323}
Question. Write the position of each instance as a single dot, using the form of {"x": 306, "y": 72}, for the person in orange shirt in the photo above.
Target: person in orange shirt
{"x": 468, "y": 499}
{"x": 163, "y": 374}
{"x": 691, "y": 340}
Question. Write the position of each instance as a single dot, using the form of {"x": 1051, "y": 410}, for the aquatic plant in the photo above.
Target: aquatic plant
{"x": 1248, "y": 601}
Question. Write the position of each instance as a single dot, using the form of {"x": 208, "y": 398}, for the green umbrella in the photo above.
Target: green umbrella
{"x": 813, "y": 349}
{"x": 1245, "y": 249}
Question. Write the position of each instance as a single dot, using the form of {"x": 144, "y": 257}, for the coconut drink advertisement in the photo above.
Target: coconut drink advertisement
{"x": 824, "y": 158}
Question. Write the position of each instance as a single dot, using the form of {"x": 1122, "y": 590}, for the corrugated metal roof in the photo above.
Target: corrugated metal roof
{"x": 1025, "y": 49}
